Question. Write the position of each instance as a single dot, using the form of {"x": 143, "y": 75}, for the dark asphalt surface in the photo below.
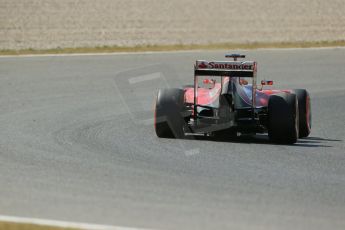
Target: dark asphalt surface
{"x": 77, "y": 144}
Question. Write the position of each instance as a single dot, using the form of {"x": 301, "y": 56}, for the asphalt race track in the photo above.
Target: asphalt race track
{"x": 77, "y": 144}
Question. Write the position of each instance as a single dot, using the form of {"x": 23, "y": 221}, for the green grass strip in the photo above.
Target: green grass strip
{"x": 143, "y": 48}
{"x": 20, "y": 226}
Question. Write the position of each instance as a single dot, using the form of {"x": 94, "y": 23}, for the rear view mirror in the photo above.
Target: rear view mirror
{"x": 208, "y": 83}
{"x": 243, "y": 82}
{"x": 264, "y": 82}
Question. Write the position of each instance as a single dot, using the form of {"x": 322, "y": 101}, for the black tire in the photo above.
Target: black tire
{"x": 283, "y": 125}
{"x": 304, "y": 108}
{"x": 168, "y": 117}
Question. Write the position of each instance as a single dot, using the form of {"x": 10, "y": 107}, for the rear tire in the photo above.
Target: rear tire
{"x": 304, "y": 108}
{"x": 283, "y": 116}
{"x": 168, "y": 117}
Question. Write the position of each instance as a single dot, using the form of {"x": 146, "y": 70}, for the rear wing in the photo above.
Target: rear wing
{"x": 225, "y": 68}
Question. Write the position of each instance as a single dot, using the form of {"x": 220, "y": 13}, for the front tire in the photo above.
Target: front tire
{"x": 168, "y": 118}
{"x": 283, "y": 117}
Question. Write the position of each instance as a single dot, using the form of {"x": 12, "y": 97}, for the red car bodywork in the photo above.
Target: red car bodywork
{"x": 209, "y": 97}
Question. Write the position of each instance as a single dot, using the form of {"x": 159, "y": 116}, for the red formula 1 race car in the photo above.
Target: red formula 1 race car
{"x": 226, "y": 100}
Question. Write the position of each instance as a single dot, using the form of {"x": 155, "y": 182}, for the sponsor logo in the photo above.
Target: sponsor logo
{"x": 224, "y": 65}
{"x": 202, "y": 65}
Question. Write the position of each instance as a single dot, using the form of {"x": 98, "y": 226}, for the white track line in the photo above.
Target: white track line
{"x": 62, "y": 224}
